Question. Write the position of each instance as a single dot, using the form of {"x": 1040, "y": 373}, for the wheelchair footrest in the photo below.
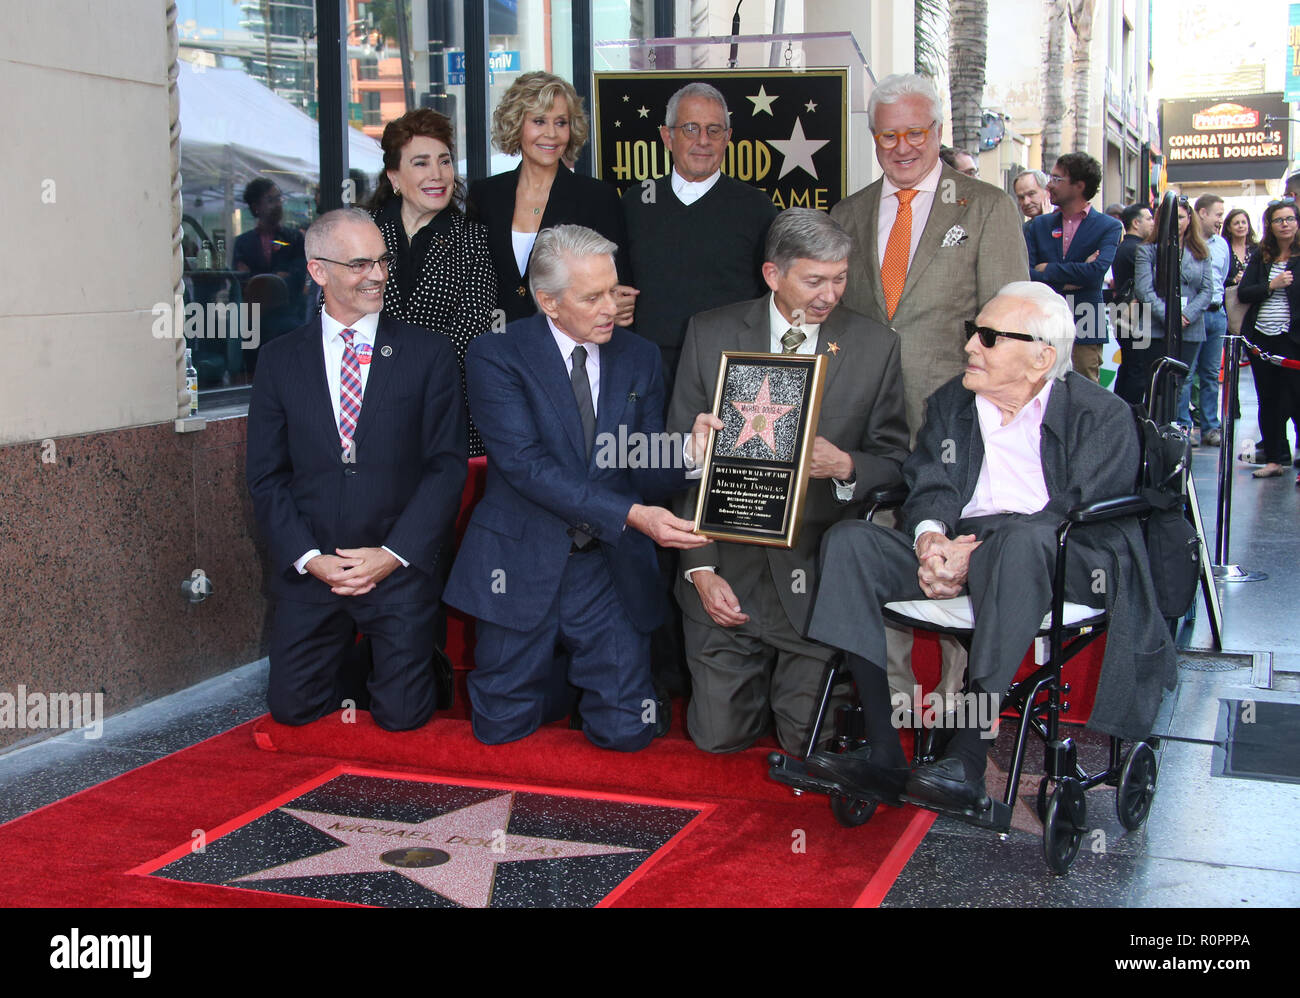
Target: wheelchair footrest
{"x": 996, "y": 817}
{"x": 794, "y": 773}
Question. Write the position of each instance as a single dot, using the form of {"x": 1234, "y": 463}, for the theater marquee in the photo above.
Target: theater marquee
{"x": 789, "y": 130}
{"x": 1225, "y": 138}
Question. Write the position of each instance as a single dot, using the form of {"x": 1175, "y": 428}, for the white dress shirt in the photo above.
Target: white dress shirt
{"x": 364, "y": 331}
{"x": 566, "y": 343}
{"x": 690, "y": 191}
{"x": 925, "y": 189}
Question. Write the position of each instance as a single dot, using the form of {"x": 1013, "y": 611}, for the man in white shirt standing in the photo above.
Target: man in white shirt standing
{"x": 745, "y": 607}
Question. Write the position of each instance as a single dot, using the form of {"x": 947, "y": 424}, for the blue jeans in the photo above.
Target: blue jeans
{"x": 1206, "y": 368}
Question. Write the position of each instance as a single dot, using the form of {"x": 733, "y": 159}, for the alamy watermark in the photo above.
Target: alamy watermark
{"x": 215, "y": 321}
{"x": 933, "y": 710}
{"x": 36, "y": 711}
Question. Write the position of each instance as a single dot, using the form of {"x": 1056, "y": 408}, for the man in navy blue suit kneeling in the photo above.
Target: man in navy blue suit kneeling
{"x": 559, "y": 553}
{"x": 357, "y": 450}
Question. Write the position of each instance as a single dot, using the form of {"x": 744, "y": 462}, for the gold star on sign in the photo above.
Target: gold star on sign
{"x": 643, "y": 111}
{"x": 762, "y": 101}
{"x": 833, "y": 348}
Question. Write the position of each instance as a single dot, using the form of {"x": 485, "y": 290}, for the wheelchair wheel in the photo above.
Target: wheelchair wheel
{"x": 851, "y": 811}
{"x": 1064, "y": 825}
{"x": 1137, "y": 786}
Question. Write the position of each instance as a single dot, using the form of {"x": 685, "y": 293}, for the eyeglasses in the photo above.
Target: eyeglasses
{"x": 1280, "y": 219}
{"x": 915, "y": 137}
{"x": 359, "y": 267}
{"x": 989, "y": 336}
{"x": 692, "y": 128}
{"x": 1054, "y": 179}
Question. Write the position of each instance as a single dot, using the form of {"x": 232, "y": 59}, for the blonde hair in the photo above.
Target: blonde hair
{"x": 535, "y": 93}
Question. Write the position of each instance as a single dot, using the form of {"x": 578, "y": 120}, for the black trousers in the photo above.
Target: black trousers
{"x": 1278, "y": 391}
{"x": 309, "y": 644}
{"x": 865, "y": 566}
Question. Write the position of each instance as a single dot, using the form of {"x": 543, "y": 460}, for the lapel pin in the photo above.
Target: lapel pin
{"x": 833, "y": 348}
{"x": 632, "y": 396}
{"x": 385, "y": 351}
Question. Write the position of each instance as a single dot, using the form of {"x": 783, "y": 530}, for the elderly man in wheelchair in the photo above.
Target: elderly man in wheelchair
{"x": 1006, "y": 451}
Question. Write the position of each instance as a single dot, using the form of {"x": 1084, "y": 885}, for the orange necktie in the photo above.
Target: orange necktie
{"x": 893, "y": 270}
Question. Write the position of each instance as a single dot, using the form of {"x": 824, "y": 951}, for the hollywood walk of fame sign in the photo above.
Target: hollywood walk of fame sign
{"x": 789, "y": 130}
{"x": 756, "y": 467}
{"x": 401, "y": 840}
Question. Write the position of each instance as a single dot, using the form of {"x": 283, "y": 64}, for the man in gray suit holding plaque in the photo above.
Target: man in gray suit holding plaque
{"x": 931, "y": 248}
{"x": 745, "y": 607}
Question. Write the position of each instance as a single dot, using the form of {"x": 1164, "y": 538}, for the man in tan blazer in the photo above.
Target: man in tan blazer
{"x": 925, "y": 280}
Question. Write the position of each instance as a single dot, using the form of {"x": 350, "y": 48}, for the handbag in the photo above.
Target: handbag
{"x": 1235, "y": 309}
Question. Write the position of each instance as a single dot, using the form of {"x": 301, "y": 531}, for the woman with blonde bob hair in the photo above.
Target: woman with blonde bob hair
{"x": 541, "y": 119}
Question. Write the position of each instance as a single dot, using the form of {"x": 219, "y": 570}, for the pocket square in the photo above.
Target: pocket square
{"x": 954, "y": 237}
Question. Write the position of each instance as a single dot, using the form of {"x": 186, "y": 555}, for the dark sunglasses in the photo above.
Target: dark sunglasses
{"x": 989, "y": 336}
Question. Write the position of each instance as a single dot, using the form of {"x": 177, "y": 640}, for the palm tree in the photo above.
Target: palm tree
{"x": 1054, "y": 83}
{"x": 928, "y": 53}
{"x": 968, "y": 31}
{"x": 1081, "y": 22}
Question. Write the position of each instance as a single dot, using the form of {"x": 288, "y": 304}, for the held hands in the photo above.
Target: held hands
{"x": 828, "y": 461}
{"x": 663, "y": 528}
{"x": 625, "y": 297}
{"x": 718, "y": 600}
{"x": 699, "y": 441}
{"x": 353, "y": 571}
{"x": 944, "y": 563}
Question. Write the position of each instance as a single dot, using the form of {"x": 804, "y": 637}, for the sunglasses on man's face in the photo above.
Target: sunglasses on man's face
{"x": 989, "y": 336}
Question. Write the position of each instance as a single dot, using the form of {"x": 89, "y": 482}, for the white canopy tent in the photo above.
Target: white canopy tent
{"x": 234, "y": 129}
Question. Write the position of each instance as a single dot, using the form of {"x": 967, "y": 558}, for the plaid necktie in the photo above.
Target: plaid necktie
{"x": 791, "y": 340}
{"x": 349, "y": 392}
{"x": 893, "y": 268}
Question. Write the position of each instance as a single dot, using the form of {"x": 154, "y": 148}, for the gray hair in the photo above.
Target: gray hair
{"x": 1047, "y": 319}
{"x": 320, "y": 235}
{"x": 805, "y": 234}
{"x": 896, "y": 86}
{"x": 1040, "y": 178}
{"x": 696, "y": 90}
{"x": 548, "y": 268}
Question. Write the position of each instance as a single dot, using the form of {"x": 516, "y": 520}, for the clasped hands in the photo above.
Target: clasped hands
{"x": 944, "y": 563}
{"x": 353, "y": 571}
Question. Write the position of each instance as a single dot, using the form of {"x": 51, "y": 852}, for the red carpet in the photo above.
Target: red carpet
{"x": 759, "y": 846}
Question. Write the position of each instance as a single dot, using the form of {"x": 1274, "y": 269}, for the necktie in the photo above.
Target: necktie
{"x": 893, "y": 269}
{"x": 349, "y": 392}
{"x": 582, "y": 395}
{"x": 791, "y": 340}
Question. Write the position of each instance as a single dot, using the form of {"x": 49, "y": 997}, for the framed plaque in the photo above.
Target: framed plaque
{"x": 756, "y": 467}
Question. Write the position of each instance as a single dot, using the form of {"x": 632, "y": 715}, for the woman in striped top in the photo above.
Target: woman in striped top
{"x": 1272, "y": 323}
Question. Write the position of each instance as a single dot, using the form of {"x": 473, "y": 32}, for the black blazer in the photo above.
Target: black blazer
{"x": 1253, "y": 289}
{"x": 574, "y": 200}
{"x": 401, "y": 490}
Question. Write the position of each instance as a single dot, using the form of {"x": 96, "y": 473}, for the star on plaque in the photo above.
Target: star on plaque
{"x": 797, "y": 151}
{"x": 617, "y": 123}
{"x": 810, "y": 107}
{"x": 454, "y": 854}
{"x": 625, "y": 97}
{"x": 761, "y": 416}
{"x": 643, "y": 111}
{"x": 763, "y": 101}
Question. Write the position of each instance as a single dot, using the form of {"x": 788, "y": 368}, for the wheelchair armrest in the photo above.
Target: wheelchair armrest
{"x": 1105, "y": 510}
{"x": 888, "y": 496}
{"x": 882, "y": 498}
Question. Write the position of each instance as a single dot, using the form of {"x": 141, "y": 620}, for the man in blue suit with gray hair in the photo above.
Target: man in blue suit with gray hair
{"x": 560, "y": 550}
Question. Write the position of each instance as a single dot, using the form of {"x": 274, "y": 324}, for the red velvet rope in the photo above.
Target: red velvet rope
{"x": 1272, "y": 358}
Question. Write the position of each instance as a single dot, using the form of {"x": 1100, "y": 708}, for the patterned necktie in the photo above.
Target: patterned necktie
{"x": 893, "y": 269}
{"x": 791, "y": 340}
{"x": 349, "y": 392}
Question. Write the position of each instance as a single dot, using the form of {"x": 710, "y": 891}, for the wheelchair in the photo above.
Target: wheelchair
{"x": 1038, "y": 700}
